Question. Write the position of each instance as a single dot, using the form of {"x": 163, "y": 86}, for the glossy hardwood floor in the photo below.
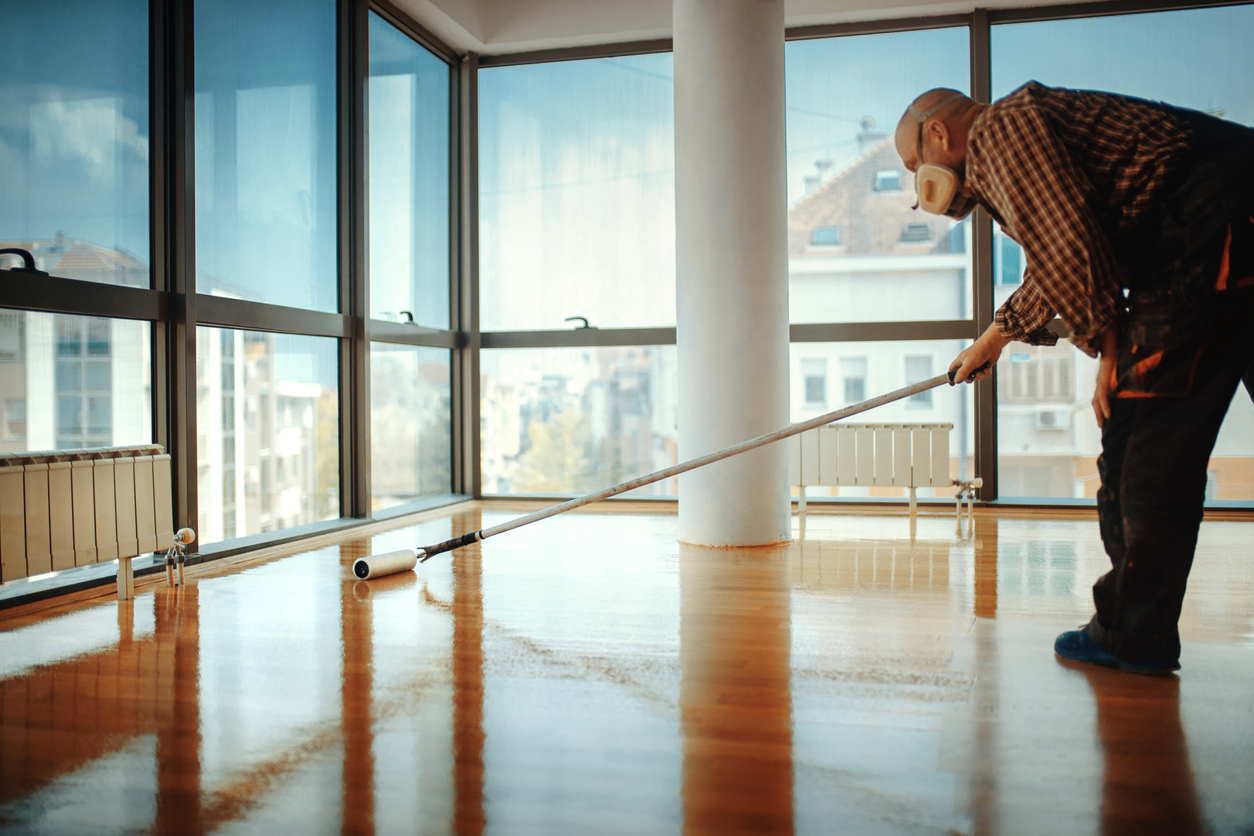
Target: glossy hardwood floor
{"x": 588, "y": 674}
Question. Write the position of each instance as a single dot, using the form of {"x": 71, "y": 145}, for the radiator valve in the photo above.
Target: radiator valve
{"x": 177, "y": 556}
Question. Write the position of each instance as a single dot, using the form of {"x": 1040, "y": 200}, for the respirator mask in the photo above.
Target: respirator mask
{"x": 938, "y": 187}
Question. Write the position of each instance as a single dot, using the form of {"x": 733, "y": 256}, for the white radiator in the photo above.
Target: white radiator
{"x": 872, "y": 455}
{"x": 77, "y": 507}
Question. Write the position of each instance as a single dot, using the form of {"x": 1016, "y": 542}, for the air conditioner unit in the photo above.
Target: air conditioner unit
{"x": 1053, "y": 419}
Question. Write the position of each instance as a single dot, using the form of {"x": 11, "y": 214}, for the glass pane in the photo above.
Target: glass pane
{"x": 265, "y": 151}
{"x": 575, "y": 420}
{"x": 409, "y": 179}
{"x": 55, "y": 401}
{"x": 69, "y": 417}
{"x": 283, "y": 470}
{"x": 577, "y": 194}
{"x": 99, "y": 415}
{"x": 1048, "y": 439}
{"x": 857, "y": 251}
{"x": 857, "y": 371}
{"x": 69, "y": 375}
{"x": 920, "y": 368}
{"x": 96, "y": 375}
{"x": 1047, "y": 435}
{"x": 74, "y": 153}
{"x": 410, "y": 424}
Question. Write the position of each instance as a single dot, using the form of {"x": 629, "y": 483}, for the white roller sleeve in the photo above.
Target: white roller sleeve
{"x": 389, "y": 563}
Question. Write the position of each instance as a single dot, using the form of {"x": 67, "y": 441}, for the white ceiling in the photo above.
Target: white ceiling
{"x": 493, "y": 27}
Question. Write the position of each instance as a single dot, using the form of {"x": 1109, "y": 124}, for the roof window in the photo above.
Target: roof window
{"x": 916, "y": 232}
{"x": 888, "y": 180}
{"x": 825, "y": 236}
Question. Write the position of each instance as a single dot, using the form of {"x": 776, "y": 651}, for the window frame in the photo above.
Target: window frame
{"x": 807, "y": 401}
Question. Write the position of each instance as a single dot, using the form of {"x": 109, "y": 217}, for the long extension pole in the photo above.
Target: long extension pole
{"x": 427, "y": 552}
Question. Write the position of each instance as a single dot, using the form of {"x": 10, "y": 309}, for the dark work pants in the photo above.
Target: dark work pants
{"x": 1153, "y": 468}
{"x": 1186, "y": 345}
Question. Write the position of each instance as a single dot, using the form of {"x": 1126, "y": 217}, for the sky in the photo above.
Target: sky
{"x": 1199, "y": 58}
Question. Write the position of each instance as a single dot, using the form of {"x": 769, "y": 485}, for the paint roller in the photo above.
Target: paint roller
{"x": 402, "y": 560}
{"x": 389, "y": 563}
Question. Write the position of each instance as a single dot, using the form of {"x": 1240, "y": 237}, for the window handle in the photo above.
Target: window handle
{"x": 26, "y": 257}
{"x": 582, "y": 319}
{"x": 409, "y": 316}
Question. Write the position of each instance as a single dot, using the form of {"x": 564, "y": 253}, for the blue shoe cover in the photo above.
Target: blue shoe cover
{"x": 1078, "y": 647}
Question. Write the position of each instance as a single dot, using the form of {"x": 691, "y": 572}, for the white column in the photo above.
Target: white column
{"x": 732, "y": 267}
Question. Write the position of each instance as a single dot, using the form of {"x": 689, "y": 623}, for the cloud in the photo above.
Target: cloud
{"x": 90, "y": 130}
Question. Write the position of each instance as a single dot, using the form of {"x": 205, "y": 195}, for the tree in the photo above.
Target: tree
{"x": 556, "y": 459}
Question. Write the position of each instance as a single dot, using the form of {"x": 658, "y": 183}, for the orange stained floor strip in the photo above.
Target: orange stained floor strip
{"x": 588, "y": 674}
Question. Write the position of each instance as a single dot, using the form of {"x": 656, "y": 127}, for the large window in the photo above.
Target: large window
{"x": 408, "y": 191}
{"x": 577, "y": 220}
{"x": 268, "y": 419}
{"x": 1047, "y": 435}
{"x": 409, "y": 180}
{"x": 265, "y": 151}
{"x": 577, "y": 194}
{"x": 268, "y": 446}
{"x": 74, "y": 138}
{"x": 857, "y": 250}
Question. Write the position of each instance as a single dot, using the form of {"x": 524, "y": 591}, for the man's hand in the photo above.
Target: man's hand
{"x": 1109, "y": 352}
{"x": 976, "y": 362}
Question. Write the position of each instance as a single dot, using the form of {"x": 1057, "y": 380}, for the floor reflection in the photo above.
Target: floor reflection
{"x": 1147, "y": 783}
{"x": 58, "y": 721}
{"x": 831, "y": 565}
{"x": 357, "y": 710}
{"x": 735, "y": 699}
{"x": 983, "y": 785}
{"x": 468, "y": 735}
{"x": 986, "y": 532}
{"x": 178, "y": 710}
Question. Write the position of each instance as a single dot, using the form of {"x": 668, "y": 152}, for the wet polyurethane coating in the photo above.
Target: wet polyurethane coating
{"x": 587, "y": 674}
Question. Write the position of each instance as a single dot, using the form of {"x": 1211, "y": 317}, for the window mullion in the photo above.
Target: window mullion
{"x": 982, "y": 268}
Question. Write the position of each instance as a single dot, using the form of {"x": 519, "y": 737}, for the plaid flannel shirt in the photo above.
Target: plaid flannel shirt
{"x": 1065, "y": 171}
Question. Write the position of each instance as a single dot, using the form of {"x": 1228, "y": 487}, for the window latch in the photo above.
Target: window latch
{"x": 27, "y": 258}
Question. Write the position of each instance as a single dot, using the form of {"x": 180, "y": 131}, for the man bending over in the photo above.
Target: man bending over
{"x": 1137, "y": 219}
